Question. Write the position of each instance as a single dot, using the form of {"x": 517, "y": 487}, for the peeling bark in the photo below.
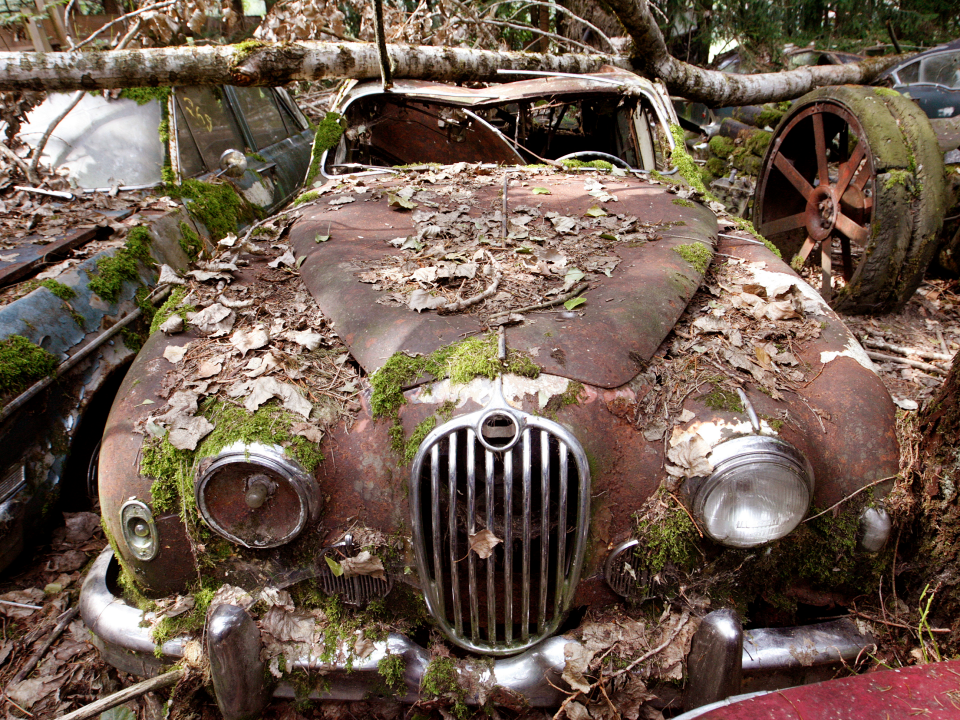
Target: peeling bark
{"x": 265, "y": 64}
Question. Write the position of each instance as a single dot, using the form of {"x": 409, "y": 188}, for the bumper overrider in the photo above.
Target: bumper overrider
{"x": 725, "y": 659}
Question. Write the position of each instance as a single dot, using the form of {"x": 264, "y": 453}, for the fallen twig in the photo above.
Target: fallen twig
{"x": 854, "y": 493}
{"x": 926, "y": 367}
{"x": 31, "y": 663}
{"x": 929, "y": 355}
{"x": 462, "y": 303}
{"x": 550, "y": 303}
{"x": 118, "y": 698}
{"x": 11, "y": 603}
{"x": 643, "y": 658}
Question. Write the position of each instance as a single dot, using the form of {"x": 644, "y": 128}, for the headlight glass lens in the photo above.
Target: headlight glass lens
{"x": 256, "y": 496}
{"x": 760, "y": 490}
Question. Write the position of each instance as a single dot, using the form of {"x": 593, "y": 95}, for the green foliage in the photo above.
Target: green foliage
{"x": 64, "y": 292}
{"x": 670, "y": 539}
{"x": 409, "y": 450}
{"x": 22, "y": 363}
{"x": 123, "y": 266}
{"x": 683, "y": 202}
{"x": 697, "y": 254}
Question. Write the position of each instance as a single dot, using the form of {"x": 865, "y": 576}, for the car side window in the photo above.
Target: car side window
{"x": 191, "y": 164}
{"x": 909, "y": 73}
{"x": 210, "y": 121}
{"x": 260, "y": 110}
{"x": 942, "y": 69}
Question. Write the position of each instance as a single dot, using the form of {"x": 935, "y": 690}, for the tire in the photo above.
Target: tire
{"x": 880, "y": 211}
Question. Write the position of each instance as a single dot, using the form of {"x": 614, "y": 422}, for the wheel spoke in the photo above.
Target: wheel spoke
{"x": 795, "y": 178}
{"x": 808, "y": 245}
{"x": 826, "y": 273}
{"x": 821, "y": 148}
{"x": 784, "y": 224}
{"x": 847, "y": 258}
{"x": 848, "y": 227}
{"x": 848, "y": 169}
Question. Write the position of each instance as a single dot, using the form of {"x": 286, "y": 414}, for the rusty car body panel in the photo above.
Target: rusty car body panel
{"x": 567, "y": 466}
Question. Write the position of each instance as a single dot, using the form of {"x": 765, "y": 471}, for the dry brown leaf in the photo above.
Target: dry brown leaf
{"x": 363, "y": 564}
{"x": 483, "y": 543}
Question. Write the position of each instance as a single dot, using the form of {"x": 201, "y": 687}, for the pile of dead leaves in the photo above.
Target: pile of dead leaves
{"x": 258, "y": 335}
{"x": 48, "y": 664}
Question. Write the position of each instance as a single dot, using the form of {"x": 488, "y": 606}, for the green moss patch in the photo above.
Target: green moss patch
{"x": 697, "y": 254}
{"x": 392, "y": 669}
{"x": 441, "y": 680}
{"x": 325, "y": 136}
{"x": 144, "y": 95}
{"x": 683, "y": 162}
{"x": 886, "y": 92}
{"x": 590, "y": 164}
{"x": 173, "y": 469}
{"x": 721, "y": 399}
{"x": 721, "y": 146}
{"x": 217, "y": 205}
{"x": 173, "y": 305}
{"x": 188, "y": 622}
{"x": 190, "y": 241}
{"x": 122, "y": 267}
{"x": 22, "y": 363}
{"x": 683, "y": 203}
{"x": 64, "y": 292}
{"x": 460, "y": 362}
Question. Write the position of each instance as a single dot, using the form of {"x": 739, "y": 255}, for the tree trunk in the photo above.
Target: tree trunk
{"x": 264, "y": 64}
{"x": 935, "y": 556}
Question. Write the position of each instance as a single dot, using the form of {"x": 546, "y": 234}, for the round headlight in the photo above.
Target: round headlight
{"x": 256, "y": 496}
{"x": 760, "y": 490}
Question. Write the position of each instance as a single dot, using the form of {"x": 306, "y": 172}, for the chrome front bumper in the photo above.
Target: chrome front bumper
{"x": 725, "y": 659}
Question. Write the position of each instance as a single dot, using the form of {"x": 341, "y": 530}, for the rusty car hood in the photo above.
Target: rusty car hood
{"x": 604, "y": 343}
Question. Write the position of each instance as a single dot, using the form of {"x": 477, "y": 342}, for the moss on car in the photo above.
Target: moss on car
{"x": 123, "y": 266}
{"x": 22, "y": 363}
{"x": 697, "y": 254}
{"x": 325, "y": 136}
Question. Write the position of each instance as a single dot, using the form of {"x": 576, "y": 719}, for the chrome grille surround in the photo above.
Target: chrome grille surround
{"x": 524, "y": 483}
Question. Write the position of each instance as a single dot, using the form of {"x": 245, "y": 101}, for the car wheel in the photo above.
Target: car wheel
{"x": 857, "y": 173}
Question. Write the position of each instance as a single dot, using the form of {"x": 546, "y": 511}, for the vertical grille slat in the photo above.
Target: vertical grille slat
{"x": 525, "y": 578}
{"x": 562, "y": 517}
{"x": 523, "y": 478}
{"x": 471, "y": 531}
{"x": 452, "y": 536}
{"x": 435, "y": 511}
{"x": 492, "y": 560}
{"x": 544, "y": 527}
{"x": 508, "y": 547}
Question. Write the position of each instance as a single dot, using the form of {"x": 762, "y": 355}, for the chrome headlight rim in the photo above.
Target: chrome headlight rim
{"x": 271, "y": 458}
{"x": 730, "y": 457}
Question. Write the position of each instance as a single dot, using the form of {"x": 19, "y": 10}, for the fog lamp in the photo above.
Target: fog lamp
{"x": 759, "y": 491}
{"x": 256, "y": 496}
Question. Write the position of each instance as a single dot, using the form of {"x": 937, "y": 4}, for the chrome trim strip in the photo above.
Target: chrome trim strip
{"x": 471, "y": 530}
{"x": 544, "y": 528}
{"x": 508, "y": 548}
{"x": 525, "y": 587}
{"x": 454, "y": 564}
{"x": 492, "y": 559}
{"x": 435, "y": 510}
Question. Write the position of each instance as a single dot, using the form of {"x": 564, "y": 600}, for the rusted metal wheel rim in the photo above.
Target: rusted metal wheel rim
{"x": 816, "y": 189}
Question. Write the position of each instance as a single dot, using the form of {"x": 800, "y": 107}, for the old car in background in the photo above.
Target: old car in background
{"x": 931, "y": 79}
{"x": 478, "y": 430}
{"x": 63, "y": 354}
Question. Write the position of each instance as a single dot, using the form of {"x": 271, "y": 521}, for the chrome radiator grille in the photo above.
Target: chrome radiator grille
{"x": 524, "y": 479}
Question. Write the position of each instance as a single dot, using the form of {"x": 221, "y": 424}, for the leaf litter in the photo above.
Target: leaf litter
{"x": 456, "y": 261}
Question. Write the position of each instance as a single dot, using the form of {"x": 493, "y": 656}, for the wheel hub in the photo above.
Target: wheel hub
{"x": 822, "y": 211}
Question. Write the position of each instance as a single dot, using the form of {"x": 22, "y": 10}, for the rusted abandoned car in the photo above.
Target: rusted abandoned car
{"x": 61, "y": 346}
{"x": 484, "y": 431}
